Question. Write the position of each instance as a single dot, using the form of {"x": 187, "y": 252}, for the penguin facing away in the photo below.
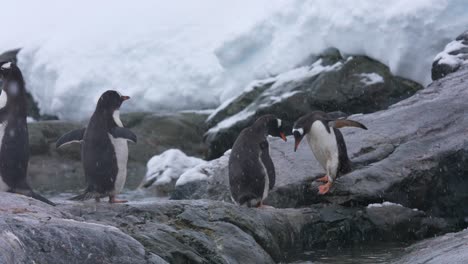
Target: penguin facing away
{"x": 14, "y": 135}
{"x": 104, "y": 149}
{"x": 251, "y": 170}
{"x": 326, "y": 142}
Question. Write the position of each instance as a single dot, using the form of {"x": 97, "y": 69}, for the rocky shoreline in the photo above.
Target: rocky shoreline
{"x": 408, "y": 184}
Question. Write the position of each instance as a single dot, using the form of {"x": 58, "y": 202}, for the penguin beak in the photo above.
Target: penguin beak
{"x": 283, "y": 136}
{"x": 297, "y": 142}
{"x": 124, "y": 98}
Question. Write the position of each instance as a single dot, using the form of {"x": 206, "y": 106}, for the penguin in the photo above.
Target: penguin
{"x": 14, "y": 135}
{"x": 251, "y": 170}
{"x": 104, "y": 149}
{"x": 326, "y": 142}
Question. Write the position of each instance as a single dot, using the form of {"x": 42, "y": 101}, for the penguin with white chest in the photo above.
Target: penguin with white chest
{"x": 251, "y": 170}
{"x": 104, "y": 150}
{"x": 326, "y": 142}
{"x": 14, "y": 135}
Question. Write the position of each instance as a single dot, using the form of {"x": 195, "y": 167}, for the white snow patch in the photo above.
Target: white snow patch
{"x": 230, "y": 121}
{"x": 453, "y": 60}
{"x": 169, "y": 166}
{"x": 384, "y": 204}
{"x": 370, "y": 78}
{"x": 204, "y": 171}
{"x": 30, "y": 119}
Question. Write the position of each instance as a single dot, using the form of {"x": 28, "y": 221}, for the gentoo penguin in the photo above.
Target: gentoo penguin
{"x": 326, "y": 142}
{"x": 104, "y": 150}
{"x": 251, "y": 170}
{"x": 14, "y": 136}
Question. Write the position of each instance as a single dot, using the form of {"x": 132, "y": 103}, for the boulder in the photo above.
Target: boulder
{"x": 451, "y": 58}
{"x": 355, "y": 84}
{"x": 449, "y": 248}
{"x": 34, "y": 232}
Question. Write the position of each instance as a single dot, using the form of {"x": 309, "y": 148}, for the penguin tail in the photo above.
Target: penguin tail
{"x": 41, "y": 198}
{"x": 86, "y": 195}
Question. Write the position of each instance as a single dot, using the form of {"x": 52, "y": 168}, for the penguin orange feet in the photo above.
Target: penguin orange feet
{"x": 113, "y": 200}
{"x": 323, "y": 179}
{"x": 263, "y": 206}
{"x": 323, "y": 189}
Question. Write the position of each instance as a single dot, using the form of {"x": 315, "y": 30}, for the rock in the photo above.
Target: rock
{"x": 415, "y": 153}
{"x": 33, "y": 232}
{"x": 160, "y": 132}
{"x": 216, "y": 232}
{"x": 332, "y": 83}
{"x": 164, "y": 170}
{"x": 451, "y": 58}
{"x": 450, "y": 248}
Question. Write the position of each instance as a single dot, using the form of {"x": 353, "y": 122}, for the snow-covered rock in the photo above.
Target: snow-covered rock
{"x": 451, "y": 58}
{"x": 329, "y": 82}
{"x": 164, "y": 170}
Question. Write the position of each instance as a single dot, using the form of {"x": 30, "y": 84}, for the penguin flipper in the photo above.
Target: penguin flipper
{"x": 71, "y": 137}
{"x": 339, "y": 123}
{"x": 122, "y": 132}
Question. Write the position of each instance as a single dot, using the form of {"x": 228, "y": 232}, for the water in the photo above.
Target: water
{"x": 360, "y": 254}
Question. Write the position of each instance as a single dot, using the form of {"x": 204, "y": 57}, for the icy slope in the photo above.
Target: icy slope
{"x": 184, "y": 55}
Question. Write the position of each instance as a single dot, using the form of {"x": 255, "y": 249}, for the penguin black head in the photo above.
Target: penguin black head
{"x": 301, "y": 128}
{"x": 111, "y": 100}
{"x": 12, "y": 77}
{"x": 274, "y": 126}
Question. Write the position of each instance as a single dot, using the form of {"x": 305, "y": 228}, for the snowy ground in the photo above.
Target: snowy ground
{"x": 195, "y": 55}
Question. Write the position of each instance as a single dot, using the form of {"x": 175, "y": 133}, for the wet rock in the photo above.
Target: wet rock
{"x": 450, "y": 248}
{"x": 355, "y": 84}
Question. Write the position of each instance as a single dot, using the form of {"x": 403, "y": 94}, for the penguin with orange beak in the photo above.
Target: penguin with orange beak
{"x": 251, "y": 170}
{"x": 326, "y": 142}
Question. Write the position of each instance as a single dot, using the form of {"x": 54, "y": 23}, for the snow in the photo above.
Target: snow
{"x": 204, "y": 171}
{"x": 445, "y": 57}
{"x": 370, "y": 78}
{"x": 179, "y": 55}
{"x": 384, "y": 204}
{"x": 294, "y": 75}
{"x": 169, "y": 166}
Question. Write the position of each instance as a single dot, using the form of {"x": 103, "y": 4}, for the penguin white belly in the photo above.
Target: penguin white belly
{"x": 3, "y": 186}
{"x": 121, "y": 153}
{"x": 324, "y": 146}
{"x": 266, "y": 187}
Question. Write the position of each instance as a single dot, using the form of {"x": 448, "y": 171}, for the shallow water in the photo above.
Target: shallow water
{"x": 359, "y": 254}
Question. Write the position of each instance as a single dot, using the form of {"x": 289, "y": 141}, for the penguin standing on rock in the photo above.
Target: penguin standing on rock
{"x": 251, "y": 170}
{"x": 14, "y": 136}
{"x": 326, "y": 142}
{"x": 104, "y": 150}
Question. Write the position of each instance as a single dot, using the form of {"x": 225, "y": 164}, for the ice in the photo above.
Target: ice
{"x": 179, "y": 55}
{"x": 371, "y": 78}
{"x": 204, "y": 171}
{"x": 169, "y": 166}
